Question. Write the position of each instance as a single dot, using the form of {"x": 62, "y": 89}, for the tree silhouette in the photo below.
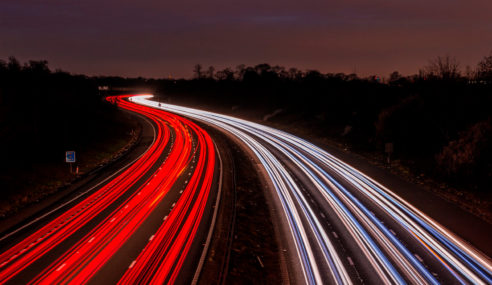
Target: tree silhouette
{"x": 13, "y": 65}
{"x": 421, "y": 114}
{"x": 484, "y": 69}
{"x": 38, "y": 66}
{"x": 294, "y": 73}
{"x": 211, "y": 72}
{"x": 240, "y": 69}
{"x": 394, "y": 76}
{"x": 198, "y": 71}
{"x": 442, "y": 67}
{"x": 225, "y": 74}
{"x": 43, "y": 114}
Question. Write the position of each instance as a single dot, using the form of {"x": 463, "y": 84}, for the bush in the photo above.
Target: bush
{"x": 470, "y": 156}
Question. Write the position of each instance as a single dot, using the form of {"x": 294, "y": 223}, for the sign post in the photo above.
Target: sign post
{"x": 389, "y": 148}
{"x": 70, "y": 158}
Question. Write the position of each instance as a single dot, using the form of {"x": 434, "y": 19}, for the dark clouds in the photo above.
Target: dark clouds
{"x": 157, "y": 38}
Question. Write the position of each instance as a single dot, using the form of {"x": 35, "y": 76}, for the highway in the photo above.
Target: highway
{"x": 342, "y": 226}
{"x": 146, "y": 223}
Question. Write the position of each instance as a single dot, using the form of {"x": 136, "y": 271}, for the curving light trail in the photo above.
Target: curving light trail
{"x": 397, "y": 242}
{"x": 126, "y": 202}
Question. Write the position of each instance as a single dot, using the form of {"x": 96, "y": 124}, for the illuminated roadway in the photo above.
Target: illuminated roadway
{"x": 342, "y": 226}
{"x": 145, "y": 224}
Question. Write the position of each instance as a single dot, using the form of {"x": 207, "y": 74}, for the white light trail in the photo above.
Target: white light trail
{"x": 390, "y": 259}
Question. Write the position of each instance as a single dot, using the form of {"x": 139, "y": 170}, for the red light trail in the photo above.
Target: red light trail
{"x": 161, "y": 260}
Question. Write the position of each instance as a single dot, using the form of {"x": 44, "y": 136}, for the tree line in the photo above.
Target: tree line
{"x": 441, "y": 67}
{"x": 44, "y": 113}
{"x": 439, "y": 119}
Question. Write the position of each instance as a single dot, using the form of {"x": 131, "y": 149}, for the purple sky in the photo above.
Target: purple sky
{"x": 158, "y": 38}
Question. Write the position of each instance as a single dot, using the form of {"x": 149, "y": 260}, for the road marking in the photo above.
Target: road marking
{"x": 259, "y": 260}
{"x": 61, "y": 266}
{"x": 418, "y": 257}
{"x": 350, "y": 260}
{"x": 212, "y": 226}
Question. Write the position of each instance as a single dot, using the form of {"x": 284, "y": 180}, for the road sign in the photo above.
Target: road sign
{"x": 70, "y": 156}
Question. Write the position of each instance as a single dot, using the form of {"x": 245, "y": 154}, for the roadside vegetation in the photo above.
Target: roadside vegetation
{"x": 438, "y": 121}
{"x": 42, "y": 115}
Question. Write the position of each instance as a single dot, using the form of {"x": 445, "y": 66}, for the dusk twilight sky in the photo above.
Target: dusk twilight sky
{"x": 161, "y": 38}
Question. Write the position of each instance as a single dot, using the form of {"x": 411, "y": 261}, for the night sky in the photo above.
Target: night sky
{"x": 161, "y": 38}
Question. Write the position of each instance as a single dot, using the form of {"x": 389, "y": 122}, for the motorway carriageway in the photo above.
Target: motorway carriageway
{"x": 341, "y": 226}
{"x": 138, "y": 227}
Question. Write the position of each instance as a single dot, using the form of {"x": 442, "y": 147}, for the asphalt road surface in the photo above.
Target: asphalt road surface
{"x": 150, "y": 220}
{"x": 145, "y": 223}
{"x": 343, "y": 227}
